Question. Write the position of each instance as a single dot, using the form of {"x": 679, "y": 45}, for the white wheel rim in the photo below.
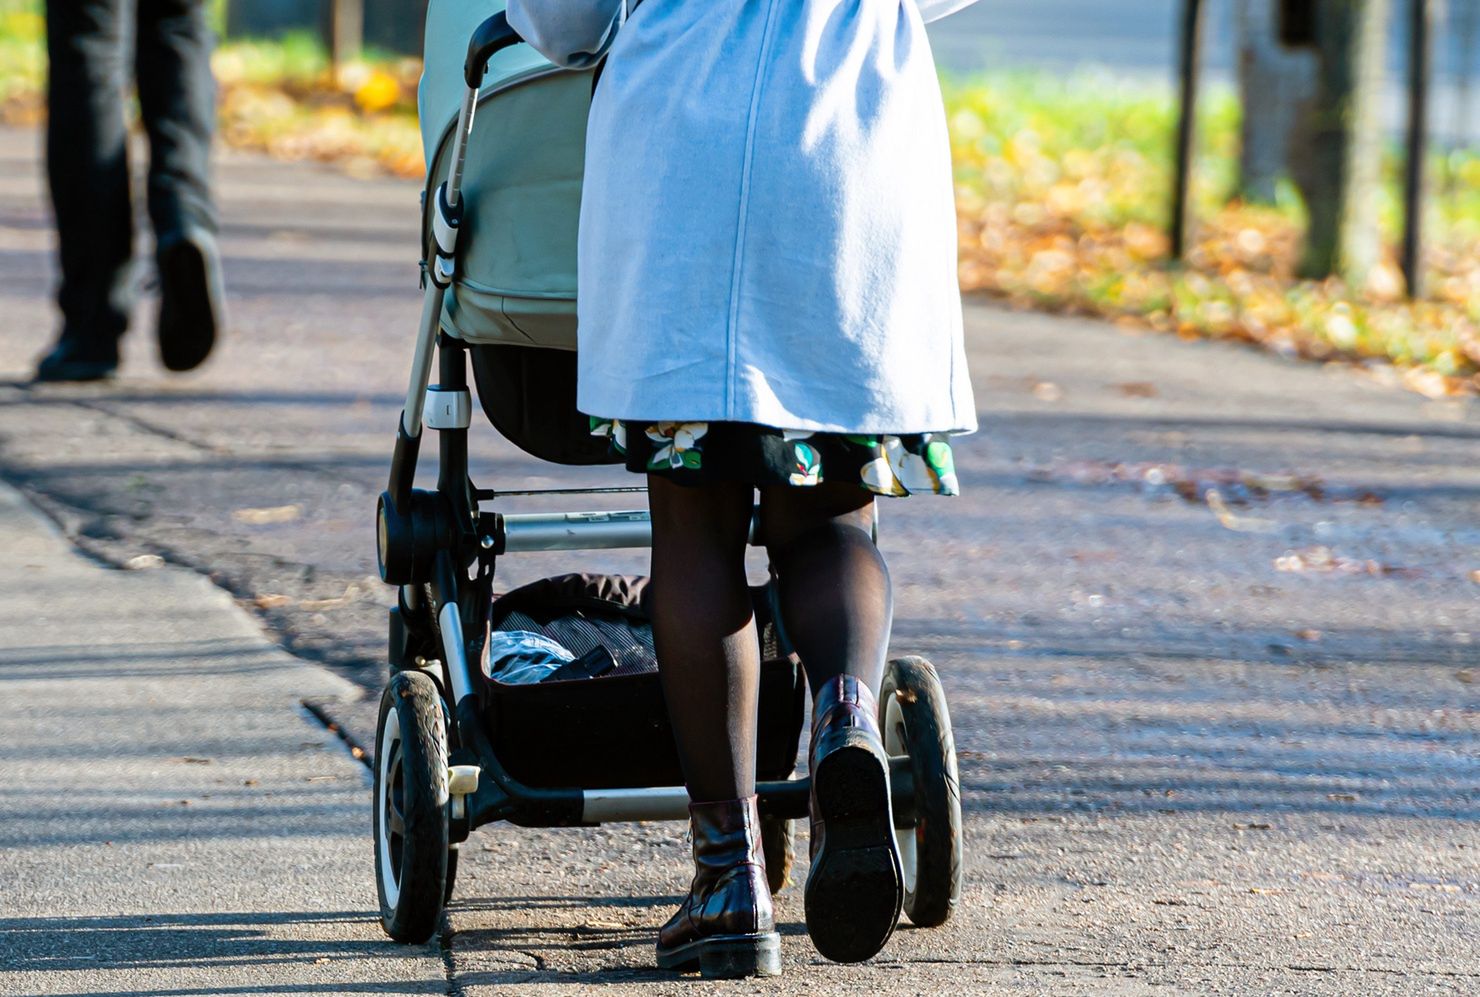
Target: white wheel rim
{"x": 388, "y": 745}
{"x": 896, "y": 744}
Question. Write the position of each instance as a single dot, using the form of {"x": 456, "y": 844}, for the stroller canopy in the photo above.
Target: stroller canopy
{"x": 450, "y": 23}
{"x": 515, "y": 282}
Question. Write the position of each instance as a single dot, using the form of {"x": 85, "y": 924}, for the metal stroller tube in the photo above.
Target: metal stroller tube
{"x": 545, "y": 531}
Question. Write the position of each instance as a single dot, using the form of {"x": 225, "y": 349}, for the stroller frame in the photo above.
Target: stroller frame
{"x": 440, "y": 548}
{"x": 428, "y": 541}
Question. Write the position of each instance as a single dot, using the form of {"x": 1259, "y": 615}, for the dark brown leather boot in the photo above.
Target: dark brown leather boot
{"x": 725, "y": 926}
{"x": 856, "y": 885}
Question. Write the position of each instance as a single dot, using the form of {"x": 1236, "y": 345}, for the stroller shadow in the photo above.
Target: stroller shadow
{"x": 521, "y": 938}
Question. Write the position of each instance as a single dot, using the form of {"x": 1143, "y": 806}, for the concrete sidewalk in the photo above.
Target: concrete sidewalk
{"x": 171, "y": 820}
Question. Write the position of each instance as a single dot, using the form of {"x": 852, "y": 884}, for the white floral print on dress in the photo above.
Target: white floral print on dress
{"x": 613, "y": 429}
{"x": 680, "y": 444}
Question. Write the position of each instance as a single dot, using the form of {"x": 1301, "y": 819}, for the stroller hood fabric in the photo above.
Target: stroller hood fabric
{"x": 449, "y": 25}
{"x": 515, "y": 281}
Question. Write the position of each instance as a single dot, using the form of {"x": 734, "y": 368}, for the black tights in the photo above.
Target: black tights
{"x": 834, "y": 595}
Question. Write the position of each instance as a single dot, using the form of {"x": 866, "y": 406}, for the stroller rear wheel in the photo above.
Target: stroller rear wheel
{"x": 410, "y": 812}
{"x": 915, "y": 722}
{"x": 778, "y": 840}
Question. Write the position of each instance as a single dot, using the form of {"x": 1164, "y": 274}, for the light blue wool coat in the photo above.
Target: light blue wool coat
{"x": 768, "y": 232}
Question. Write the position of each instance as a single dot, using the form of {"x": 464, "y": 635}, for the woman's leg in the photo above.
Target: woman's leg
{"x": 709, "y": 662}
{"x": 704, "y": 631}
{"x": 833, "y": 585}
{"x": 836, "y": 608}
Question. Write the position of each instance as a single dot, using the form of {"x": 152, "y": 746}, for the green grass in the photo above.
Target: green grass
{"x": 22, "y": 48}
{"x": 1019, "y": 134}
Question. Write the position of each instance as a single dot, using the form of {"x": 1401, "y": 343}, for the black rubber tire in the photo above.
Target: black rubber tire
{"x": 451, "y": 875}
{"x": 411, "y": 785}
{"x": 914, "y": 720}
{"x": 778, "y": 843}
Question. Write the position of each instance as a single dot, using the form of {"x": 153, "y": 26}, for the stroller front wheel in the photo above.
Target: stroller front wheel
{"x": 410, "y": 812}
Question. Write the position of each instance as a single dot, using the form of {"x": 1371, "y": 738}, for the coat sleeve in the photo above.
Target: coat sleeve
{"x": 934, "y": 10}
{"x": 570, "y": 33}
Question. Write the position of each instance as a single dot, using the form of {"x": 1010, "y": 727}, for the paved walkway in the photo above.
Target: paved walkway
{"x": 172, "y": 821}
{"x": 1206, "y": 619}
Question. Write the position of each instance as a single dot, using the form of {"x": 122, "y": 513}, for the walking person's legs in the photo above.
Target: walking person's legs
{"x": 709, "y": 661}
{"x": 837, "y": 611}
{"x": 177, "y": 101}
{"x": 87, "y": 167}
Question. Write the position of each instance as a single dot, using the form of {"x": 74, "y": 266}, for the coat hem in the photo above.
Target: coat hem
{"x": 959, "y": 428}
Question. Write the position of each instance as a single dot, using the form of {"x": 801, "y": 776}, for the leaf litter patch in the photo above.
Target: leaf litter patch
{"x": 1229, "y": 487}
{"x": 1228, "y": 493}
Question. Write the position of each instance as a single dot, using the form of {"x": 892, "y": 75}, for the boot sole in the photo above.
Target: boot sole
{"x": 856, "y": 887}
{"x": 727, "y": 957}
{"x": 189, "y": 309}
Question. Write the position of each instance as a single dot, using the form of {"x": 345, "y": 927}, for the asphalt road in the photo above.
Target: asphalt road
{"x": 1207, "y": 619}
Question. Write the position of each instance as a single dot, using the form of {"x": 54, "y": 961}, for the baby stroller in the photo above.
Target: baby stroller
{"x": 455, "y": 747}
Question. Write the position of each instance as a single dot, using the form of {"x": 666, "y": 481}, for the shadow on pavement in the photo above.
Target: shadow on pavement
{"x": 73, "y": 394}
{"x": 1101, "y": 421}
{"x": 94, "y": 945}
{"x": 528, "y": 949}
{"x": 82, "y": 661}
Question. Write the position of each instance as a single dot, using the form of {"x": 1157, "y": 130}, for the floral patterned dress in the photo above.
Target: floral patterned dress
{"x": 703, "y": 452}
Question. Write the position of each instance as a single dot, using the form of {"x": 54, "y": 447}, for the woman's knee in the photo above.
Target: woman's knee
{"x": 710, "y": 516}
{"x": 789, "y": 514}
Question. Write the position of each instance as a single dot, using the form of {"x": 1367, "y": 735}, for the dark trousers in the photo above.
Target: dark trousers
{"x": 87, "y": 143}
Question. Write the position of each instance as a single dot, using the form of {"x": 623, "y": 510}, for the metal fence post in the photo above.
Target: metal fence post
{"x": 1190, "y": 44}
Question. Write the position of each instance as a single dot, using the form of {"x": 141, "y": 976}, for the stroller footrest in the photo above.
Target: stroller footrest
{"x": 463, "y": 779}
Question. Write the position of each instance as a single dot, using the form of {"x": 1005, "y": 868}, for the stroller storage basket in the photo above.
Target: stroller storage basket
{"x": 612, "y": 731}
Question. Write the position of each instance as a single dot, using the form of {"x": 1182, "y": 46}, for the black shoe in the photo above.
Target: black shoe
{"x": 856, "y": 884}
{"x": 71, "y": 359}
{"x": 725, "y": 927}
{"x": 190, "y": 298}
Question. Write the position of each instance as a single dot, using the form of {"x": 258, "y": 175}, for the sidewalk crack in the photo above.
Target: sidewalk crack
{"x": 449, "y": 965}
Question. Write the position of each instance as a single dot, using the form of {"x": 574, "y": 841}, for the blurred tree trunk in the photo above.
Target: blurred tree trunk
{"x": 346, "y": 32}
{"x": 395, "y": 25}
{"x": 1466, "y": 33}
{"x": 1337, "y": 160}
{"x": 1276, "y": 83}
{"x": 255, "y": 18}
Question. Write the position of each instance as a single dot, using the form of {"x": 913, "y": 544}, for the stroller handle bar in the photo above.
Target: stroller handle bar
{"x": 491, "y": 37}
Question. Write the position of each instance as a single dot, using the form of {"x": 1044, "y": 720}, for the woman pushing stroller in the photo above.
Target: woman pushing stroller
{"x": 768, "y": 301}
